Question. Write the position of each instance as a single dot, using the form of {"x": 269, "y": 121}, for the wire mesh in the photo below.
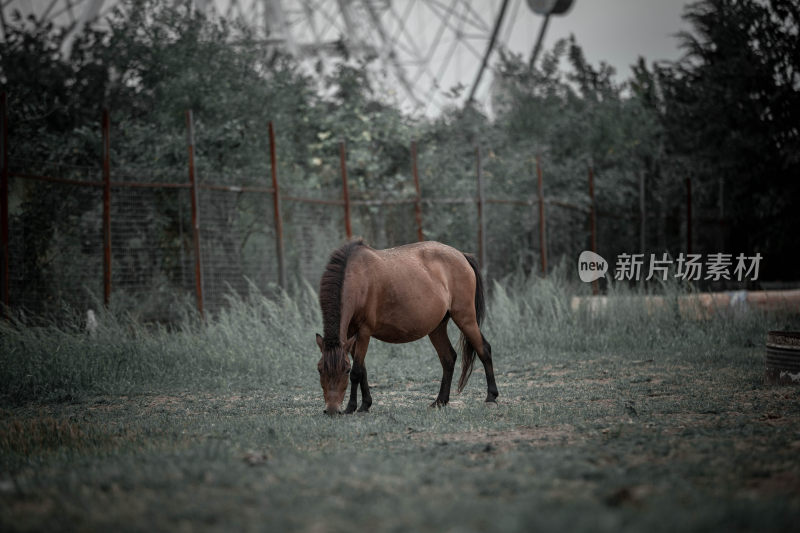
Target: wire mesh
{"x": 56, "y": 237}
{"x": 448, "y": 187}
{"x": 385, "y": 223}
{"x": 152, "y": 265}
{"x": 616, "y": 234}
{"x": 512, "y": 239}
{"x": 567, "y": 233}
{"x": 55, "y": 246}
{"x": 237, "y": 243}
{"x": 451, "y": 222}
{"x": 312, "y": 230}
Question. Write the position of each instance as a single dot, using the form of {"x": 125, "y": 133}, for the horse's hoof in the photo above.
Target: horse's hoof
{"x": 349, "y": 410}
{"x": 438, "y": 404}
{"x": 491, "y": 403}
{"x": 363, "y": 408}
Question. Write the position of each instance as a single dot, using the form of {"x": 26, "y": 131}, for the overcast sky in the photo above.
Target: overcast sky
{"x": 616, "y": 31}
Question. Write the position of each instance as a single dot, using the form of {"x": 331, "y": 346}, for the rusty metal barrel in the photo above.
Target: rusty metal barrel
{"x": 783, "y": 358}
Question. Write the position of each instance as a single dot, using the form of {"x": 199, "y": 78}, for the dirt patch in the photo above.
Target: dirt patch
{"x": 504, "y": 441}
{"x": 777, "y": 483}
{"x": 33, "y": 506}
{"x": 165, "y": 401}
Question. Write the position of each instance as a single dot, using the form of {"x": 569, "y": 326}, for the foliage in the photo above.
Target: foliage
{"x": 575, "y": 116}
{"x": 730, "y": 110}
{"x": 725, "y": 116}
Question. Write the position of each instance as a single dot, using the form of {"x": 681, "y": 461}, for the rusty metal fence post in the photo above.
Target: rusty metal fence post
{"x": 418, "y": 198}
{"x": 688, "y": 215}
{"x": 198, "y": 262}
{"x": 276, "y": 205}
{"x": 592, "y": 223}
{"x": 345, "y": 190}
{"x": 4, "y": 284}
{"x": 481, "y": 220}
{"x": 542, "y": 229}
{"x": 106, "y": 208}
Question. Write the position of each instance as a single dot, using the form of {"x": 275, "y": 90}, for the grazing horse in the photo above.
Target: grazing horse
{"x": 398, "y": 295}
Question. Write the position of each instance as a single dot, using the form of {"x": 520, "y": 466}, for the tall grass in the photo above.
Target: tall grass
{"x": 261, "y": 342}
{"x": 254, "y": 341}
{"x": 534, "y": 316}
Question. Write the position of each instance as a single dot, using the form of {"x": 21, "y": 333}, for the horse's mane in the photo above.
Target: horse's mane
{"x": 330, "y": 298}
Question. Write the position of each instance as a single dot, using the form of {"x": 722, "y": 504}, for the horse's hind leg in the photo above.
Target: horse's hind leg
{"x": 447, "y": 356}
{"x": 469, "y": 327}
{"x": 486, "y": 359}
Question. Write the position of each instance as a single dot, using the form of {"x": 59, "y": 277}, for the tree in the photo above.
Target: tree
{"x": 731, "y": 113}
{"x": 574, "y": 115}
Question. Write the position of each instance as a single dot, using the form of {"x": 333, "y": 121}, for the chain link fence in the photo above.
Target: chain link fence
{"x": 172, "y": 240}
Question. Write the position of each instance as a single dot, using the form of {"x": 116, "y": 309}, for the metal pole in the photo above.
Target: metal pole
{"x": 106, "y": 208}
{"x": 592, "y": 223}
{"x": 642, "y": 214}
{"x": 276, "y": 205}
{"x": 387, "y": 40}
{"x": 418, "y": 199}
{"x": 4, "y": 286}
{"x": 198, "y": 264}
{"x": 688, "y": 215}
{"x": 345, "y": 192}
{"x": 481, "y": 220}
{"x": 539, "y": 40}
{"x": 542, "y": 229}
{"x": 489, "y": 48}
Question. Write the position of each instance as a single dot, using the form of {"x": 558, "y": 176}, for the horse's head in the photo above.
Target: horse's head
{"x": 334, "y": 369}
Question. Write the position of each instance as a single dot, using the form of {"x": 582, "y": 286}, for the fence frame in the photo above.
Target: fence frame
{"x": 106, "y": 127}
{"x": 688, "y": 216}
{"x": 5, "y": 268}
{"x": 535, "y": 202}
{"x": 276, "y": 206}
{"x": 198, "y": 261}
{"x": 418, "y": 197}
{"x": 481, "y": 221}
{"x": 592, "y": 224}
{"x": 345, "y": 189}
{"x": 542, "y": 228}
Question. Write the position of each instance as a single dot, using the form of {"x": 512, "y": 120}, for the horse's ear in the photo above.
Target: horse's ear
{"x": 319, "y": 341}
{"x": 348, "y": 344}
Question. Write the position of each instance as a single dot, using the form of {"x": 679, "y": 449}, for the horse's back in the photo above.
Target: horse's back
{"x": 401, "y": 294}
{"x": 424, "y": 264}
{"x": 425, "y": 251}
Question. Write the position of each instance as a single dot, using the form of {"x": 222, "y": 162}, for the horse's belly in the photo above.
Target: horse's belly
{"x": 398, "y": 327}
{"x": 408, "y": 304}
{"x": 396, "y": 335}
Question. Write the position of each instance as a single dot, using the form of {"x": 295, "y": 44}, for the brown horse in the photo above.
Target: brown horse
{"x": 398, "y": 295}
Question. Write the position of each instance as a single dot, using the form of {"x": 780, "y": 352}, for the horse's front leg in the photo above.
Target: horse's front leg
{"x": 362, "y": 343}
{"x": 358, "y": 376}
{"x": 355, "y": 380}
{"x": 366, "y": 397}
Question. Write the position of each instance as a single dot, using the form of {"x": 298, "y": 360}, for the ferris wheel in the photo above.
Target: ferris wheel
{"x": 422, "y": 54}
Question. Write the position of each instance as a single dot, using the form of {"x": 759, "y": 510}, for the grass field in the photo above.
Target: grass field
{"x": 625, "y": 421}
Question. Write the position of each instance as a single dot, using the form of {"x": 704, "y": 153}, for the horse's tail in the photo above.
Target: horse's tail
{"x": 467, "y": 350}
